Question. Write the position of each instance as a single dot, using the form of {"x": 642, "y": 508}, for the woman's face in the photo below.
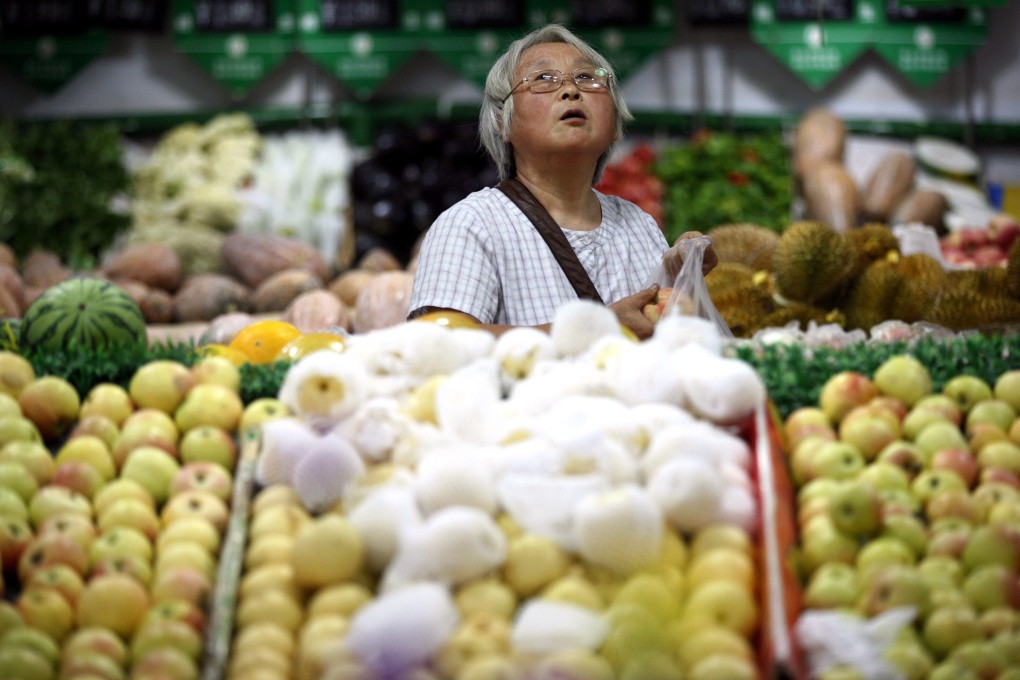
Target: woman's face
{"x": 567, "y": 119}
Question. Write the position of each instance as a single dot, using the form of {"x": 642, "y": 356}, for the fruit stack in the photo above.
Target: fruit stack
{"x": 445, "y": 504}
{"x": 910, "y": 497}
{"x": 112, "y": 511}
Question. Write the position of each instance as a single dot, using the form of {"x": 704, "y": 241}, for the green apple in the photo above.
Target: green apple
{"x": 907, "y": 528}
{"x": 911, "y": 658}
{"x": 164, "y": 662}
{"x": 8, "y": 405}
{"x": 208, "y": 443}
{"x": 967, "y": 390}
{"x": 161, "y": 384}
{"x": 999, "y": 619}
{"x": 837, "y": 460}
{"x": 11, "y": 504}
{"x": 932, "y": 482}
{"x": 216, "y": 369}
{"x": 992, "y": 585}
{"x": 922, "y": 416}
{"x": 883, "y": 552}
{"x": 47, "y": 610}
{"x": 78, "y": 476}
{"x": 209, "y": 404}
{"x": 941, "y": 569}
{"x": 32, "y": 455}
{"x": 943, "y": 403}
{"x": 995, "y": 411}
{"x": 88, "y": 449}
{"x": 25, "y": 663}
{"x": 947, "y": 627}
{"x": 894, "y": 586}
{"x": 96, "y": 425}
{"x": 843, "y": 391}
{"x": 196, "y": 504}
{"x": 899, "y": 501}
{"x": 938, "y": 436}
{"x": 259, "y": 411}
{"x": 95, "y": 640}
{"x": 120, "y": 542}
{"x": 824, "y": 543}
{"x": 153, "y": 469}
{"x": 822, "y": 487}
{"x": 725, "y": 603}
{"x": 870, "y": 429}
{"x": 119, "y": 489}
{"x": 882, "y": 475}
{"x": 904, "y": 377}
{"x": 948, "y": 537}
{"x": 10, "y": 619}
{"x": 832, "y": 585}
{"x": 856, "y": 509}
{"x": 167, "y": 633}
{"x": 806, "y": 421}
{"x": 1000, "y": 454}
{"x": 998, "y": 544}
{"x": 904, "y": 455}
{"x": 955, "y": 503}
{"x": 134, "y": 566}
{"x": 1005, "y": 511}
{"x": 130, "y": 512}
{"x": 52, "y": 403}
{"x": 61, "y": 578}
{"x": 17, "y": 429}
{"x": 802, "y": 458}
{"x": 983, "y": 433}
{"x": 90, "y": 665}
{"x": 108, "y": 400}
{"x": 195, "y": 529}
{"x": 53, "y": 500}
{"x": 988, "y": 493}
{"x": 18, "y": 479}
{"x": 1007, "y": 388}
{"x": 981, "y": 656}
{"x": 28, "y": 637}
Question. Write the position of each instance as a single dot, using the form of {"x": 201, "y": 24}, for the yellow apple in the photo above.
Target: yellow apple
{"x": 153, "y": 468}
{"x": 25, "y": 663}
{"x": 161, "y": 384}
{"x": 120, "y": 542}
{"x": 282, "y": 518}
{"x": 326, "y": 551}
{"x": 193, "y": 529}
{"x": 33, "y": 455}
{"x": 276, "y": 494}
{"x": 128, "y": 565}
{"x": 120, "y": 488}
{"x": 52, "y": 403}
{"x": 727, "y": 603}
{"x": 147, "y": 427}
{"x": 215, "y": 369}
{"x": 186, "y": 554}
{"x": 18, "y": 479}
{"x": 181, "y": 583}
{"x": 52, "y": 500}
{"x": 209, "y": 404}
{"x": 266, "y": 635}
{"x": 96, "y": 640}
{"x": 722, "y": 563}
{"x": 61, "y": 578}
{"x": 203, "y": 476}
{"x": 130, "y": 512}
{"x": 78, "y": 476}
{"x": 17, "y": 373}
{"x": 208, "y": 443}
{"x": 108, "y": 400}
{"x": 35, "y": 639}
{"x": 272, "y": 576}
{"x": 48, "y": 550}
{"x": 271, "y": 549}
{"x": 274, "y": 606}
{"x": 166, "y": 633}
{"x": 721, "y": 535}
{"x": 164, "y": 662}
{"x": 342, "y": 599}
{"x": 96, "y": 425}
{"x": 114, "y": 601}
{"x": 196, "y": 504}
{"x": 89, "y": 449}
{"x": 259, "y": 411}
{"x": 47, "y": 610}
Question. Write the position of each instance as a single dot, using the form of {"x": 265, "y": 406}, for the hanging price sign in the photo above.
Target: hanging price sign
{"x": 361, "y": 42}
{"x": 48, "y": 42}
{"x": 925, "y": 43}
{"x": 816, "y": 39}
{"x": 238, "y": 42}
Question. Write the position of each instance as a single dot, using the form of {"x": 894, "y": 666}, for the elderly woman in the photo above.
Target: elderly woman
{"x": 510, "y": 255}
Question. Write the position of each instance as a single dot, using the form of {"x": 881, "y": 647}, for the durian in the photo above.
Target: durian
{"x": 964, "y": 309}
{"x": 1013, "y": 271}
{"x": 871, "y": 300}
{"x": 811, "y": 262}
{"x": 870, "y": 243}
{"x": 750, "y": 245}
{"x": 924, "y": 282}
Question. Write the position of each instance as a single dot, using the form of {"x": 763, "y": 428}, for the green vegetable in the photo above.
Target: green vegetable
{"x": 58, "y": 181}
{"x": 720, "y": 178}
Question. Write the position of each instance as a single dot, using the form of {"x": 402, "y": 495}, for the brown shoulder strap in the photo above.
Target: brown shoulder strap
{"x": 553, "y": 237}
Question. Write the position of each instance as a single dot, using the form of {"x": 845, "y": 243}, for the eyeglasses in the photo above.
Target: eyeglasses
{"x": 589, "y": 79}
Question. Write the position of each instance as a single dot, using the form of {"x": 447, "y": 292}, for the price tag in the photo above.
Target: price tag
{"x": 238, "y": 42}
{"x": 484, "y": 14}
{"x": 814, "y": 10}
{"x": 718, "y": 12}
{"x": 610, "y": 13}
{"x": 359, "y": 15}
{"x": 898, "y": 11}
{"x": 33, "y": 18}
{"x": 149, "y": 16}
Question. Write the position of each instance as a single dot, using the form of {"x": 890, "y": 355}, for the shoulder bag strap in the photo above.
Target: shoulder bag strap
{"x": 553, "y": 237}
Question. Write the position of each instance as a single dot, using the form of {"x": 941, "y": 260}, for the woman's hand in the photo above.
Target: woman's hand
{"x": 673, "y": 259}
{"x": 628, "y": 311}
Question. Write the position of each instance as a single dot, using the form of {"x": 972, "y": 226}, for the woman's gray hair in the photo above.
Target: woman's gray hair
{"x": 497, "y": 111}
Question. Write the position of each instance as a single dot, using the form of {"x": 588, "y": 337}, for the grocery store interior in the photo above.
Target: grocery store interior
{"x": 226, "y": 452}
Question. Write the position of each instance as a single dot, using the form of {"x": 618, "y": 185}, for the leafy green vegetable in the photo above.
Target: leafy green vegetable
{"x": 58, "y": 180}
{"x": 721, "y": 178}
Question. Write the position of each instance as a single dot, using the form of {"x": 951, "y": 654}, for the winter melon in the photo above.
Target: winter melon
{"x": 83, "y": 312}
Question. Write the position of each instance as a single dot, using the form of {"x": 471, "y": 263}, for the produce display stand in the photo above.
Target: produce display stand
{"x": 780, "y": 597}
{"x": 223, "y": 607}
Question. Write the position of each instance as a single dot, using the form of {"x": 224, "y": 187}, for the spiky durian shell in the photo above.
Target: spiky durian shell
{"x": 871, "y": 299}
{"x": 869, "y": 243}
{"x": 968, "y": 309}
{"x": 924, "y": 283}
{"x": 811, "y": 262}
{"x": 1013, "y": 270}
{"x": 747, "y": 244}
{"x": 990, "y": 281}
{"x": 726, "y": 276}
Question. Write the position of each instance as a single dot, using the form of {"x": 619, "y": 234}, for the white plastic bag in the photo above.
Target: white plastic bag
{"x": 689, "y": 296}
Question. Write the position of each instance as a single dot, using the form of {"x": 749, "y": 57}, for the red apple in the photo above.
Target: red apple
{"x": 78, "y": 527}
{"x": 44, "y": 551}
{"x": 78, "y": 476}
{"x": 15, "y": 535}
{"x": 960, "y": 461}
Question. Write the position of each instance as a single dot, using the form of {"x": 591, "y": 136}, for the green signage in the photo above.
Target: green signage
{"x": 48, "y": 61}
{"x": 238, "y": 42}
{"x": 361, "y": 42}
{"x": 925, "y": 50}
{"x": 814, "y": 48}
{"x": 818, "y": 42}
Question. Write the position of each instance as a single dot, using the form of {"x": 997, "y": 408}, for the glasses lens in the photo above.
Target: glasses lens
{"x": 590, "y": 78}
{"x": 544, "y": 81}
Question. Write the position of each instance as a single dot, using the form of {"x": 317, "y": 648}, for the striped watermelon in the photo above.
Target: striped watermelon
{"x": 84, "y": 312}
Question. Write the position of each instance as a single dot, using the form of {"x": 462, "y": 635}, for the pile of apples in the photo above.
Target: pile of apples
{"x": 977, "y": 247}
{"x": 113, "y": 505}
{"x": 907, "y": 497}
